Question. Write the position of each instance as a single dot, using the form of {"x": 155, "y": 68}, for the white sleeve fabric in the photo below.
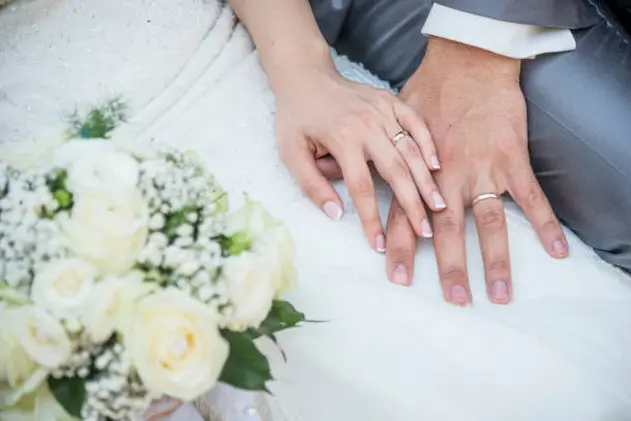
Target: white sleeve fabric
{"x": 505, "y": 38}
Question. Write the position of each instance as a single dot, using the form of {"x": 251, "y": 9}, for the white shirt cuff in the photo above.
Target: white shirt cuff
{"x": 509, "y": 39}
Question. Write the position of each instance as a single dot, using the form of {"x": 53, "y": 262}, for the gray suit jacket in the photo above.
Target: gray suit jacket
{"x": 572, "y": 14}
{"x": 385, "y": 35}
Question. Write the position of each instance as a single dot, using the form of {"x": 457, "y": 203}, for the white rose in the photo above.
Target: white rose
{"x": 35, "y": 152}
{"x": 175, "y": 344}
{"x": 41, "y": 335}
{"x": 97, "y": 165}
{"x": 270, "y": 239}
{"x": 251, "y": 218}
{"x": 17, "y": 370}
{"x": 277, "y": 248}
{"x": 75, "y": 150}
{"x": 63, "y": 286}
{"x": 250, "y": 290}
{"x": 109, "y": 230}
{"x": 106, "y": 305}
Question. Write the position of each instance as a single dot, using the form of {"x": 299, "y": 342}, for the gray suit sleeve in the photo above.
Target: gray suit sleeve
{"x": 570, "y": 14}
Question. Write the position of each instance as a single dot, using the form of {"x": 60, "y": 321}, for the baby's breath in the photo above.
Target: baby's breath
{"x": 115, "y": 392}
{"x": 186, "y": 220}
{"x": 27, "y": 237}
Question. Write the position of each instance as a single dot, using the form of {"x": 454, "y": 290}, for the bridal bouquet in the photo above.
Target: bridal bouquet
{"x": 124, "y": 278}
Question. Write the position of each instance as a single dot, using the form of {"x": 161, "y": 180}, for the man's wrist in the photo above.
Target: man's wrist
{"x": 470, "y": 60}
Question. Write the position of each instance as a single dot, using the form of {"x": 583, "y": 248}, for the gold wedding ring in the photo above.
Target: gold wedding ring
{"x": 395, "y": 139}
{"x": 484, "y": 196}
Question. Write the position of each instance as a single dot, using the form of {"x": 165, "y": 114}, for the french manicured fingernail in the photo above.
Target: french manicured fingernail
{"x": 400, "y": 275}
{"x": 439, "y": 202}
{"x": 435, "y": 162}
{"x": 459, "y": 295}
{"x": 380, "y": 244}
{"x": 499, "y": 292}
{"x": 426, "y": 229}
{"x": 333, "y": 211}
{"x": 559, "y": 248}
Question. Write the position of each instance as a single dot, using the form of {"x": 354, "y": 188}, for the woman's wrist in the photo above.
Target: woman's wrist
{"x": 289, "y": 64}
{"x": 287, "y": 38}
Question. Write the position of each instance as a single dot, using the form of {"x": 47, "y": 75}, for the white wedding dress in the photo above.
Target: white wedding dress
{"x": 561, "y": 351}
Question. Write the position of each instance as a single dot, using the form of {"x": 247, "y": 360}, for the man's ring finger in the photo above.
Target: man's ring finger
{"x": 484, "y": 196}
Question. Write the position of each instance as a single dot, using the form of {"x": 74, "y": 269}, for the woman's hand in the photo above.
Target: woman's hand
{"x": 474, "y": 107}
{"x": 321, "y": 113}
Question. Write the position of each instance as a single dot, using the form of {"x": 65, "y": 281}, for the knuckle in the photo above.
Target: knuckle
{"x": 454, "y": 275}
{"x": 406, "y": 117}
{"x": 362, "y": 187}
{"x": 396, "y": 212}
{"x": 448, "y": 223}
{"x": 346, "y": 133}
{"x": 449, "y": 153}
{"x": 310, "y": 185}
{"x": 396, "y": 170}
{"x": 491, "y": 217}
{"x": 427, "y": 183}
{"x": 384, "y": 99}
{"x": 499, "y": 267}
{"x": 550, "y": 225}
{"x": 399, "y": 253}
{"x": 368, "y": 117}
{"x": 371, "y": 223}
{"x": 532, "y": 194}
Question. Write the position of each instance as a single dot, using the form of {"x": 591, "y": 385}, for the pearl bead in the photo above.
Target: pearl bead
{"x": 250, "y": 411}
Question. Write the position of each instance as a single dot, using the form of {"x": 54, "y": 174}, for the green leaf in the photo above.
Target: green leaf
{"x": 100, "y": 120}
{"x": 63, "y": 198}
{"x": 239, "y": 243}
{"x": 69, "y": 392}
{"x": 246, "y": 368}
{"x": 57, "y": 180}
{"x": 274, "y": 339}
{"x": 282, "y": 316}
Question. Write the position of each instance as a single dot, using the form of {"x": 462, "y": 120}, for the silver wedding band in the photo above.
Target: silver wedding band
{"x": 397, "y": 137}
{"x": 484, "y": 196}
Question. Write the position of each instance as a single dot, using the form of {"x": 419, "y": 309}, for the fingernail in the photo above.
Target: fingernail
{"x": 381, "y": 243}
{"x": 499, "y": 292}
{"x": 559, "y": 248}
{"x": 333, "y": 211}
{"x": 459, "y": 295}
{"x": 426, "y": 229}
{"x": 435, "y": 162}
{"x": 439, "y": 202}
{"x": 400, "y": 275}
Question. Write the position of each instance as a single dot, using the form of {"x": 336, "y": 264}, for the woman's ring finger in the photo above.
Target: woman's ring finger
{"x": 397, "y": 137}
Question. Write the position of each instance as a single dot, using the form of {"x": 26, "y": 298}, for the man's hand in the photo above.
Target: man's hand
{"x": 473, "y": 105}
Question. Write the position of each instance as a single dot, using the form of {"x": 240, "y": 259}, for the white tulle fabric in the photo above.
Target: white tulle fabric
{"x": 559, "y": 352}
